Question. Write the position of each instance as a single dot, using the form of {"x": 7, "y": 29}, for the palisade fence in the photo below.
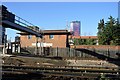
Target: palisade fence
{"x": 70, "y": 52}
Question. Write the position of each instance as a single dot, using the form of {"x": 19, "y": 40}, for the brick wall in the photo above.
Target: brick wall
{"x": 25, "y": 42}
{"x": 57, "y": 41}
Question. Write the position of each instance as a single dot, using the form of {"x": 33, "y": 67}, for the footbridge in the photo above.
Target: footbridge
{"x": 10, "y": 20}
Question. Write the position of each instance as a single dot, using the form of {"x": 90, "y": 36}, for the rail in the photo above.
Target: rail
{"x": 67, "y": 68}
{"x": 68, "y": 71}
{"x": 22, "y": 22}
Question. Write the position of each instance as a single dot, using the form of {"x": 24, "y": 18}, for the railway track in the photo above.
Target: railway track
{"x": 66, "y": 71}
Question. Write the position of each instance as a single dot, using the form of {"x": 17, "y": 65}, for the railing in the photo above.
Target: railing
{"x": 9, "y": 16}
{"x": 22, "y": 22}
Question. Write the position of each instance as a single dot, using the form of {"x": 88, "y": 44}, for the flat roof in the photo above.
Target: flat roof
{"x": 85, "y": 37}
{"x": 50, "y": 32}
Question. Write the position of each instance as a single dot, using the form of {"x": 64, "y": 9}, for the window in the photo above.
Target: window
{"x": 29, "y": 36}
{"x": 51, "y": 36}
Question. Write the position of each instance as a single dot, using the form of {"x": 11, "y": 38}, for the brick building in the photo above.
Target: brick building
{"x": 51, "y": 38}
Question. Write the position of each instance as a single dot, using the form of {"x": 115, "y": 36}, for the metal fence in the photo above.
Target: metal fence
{"x": 70, "y": 52}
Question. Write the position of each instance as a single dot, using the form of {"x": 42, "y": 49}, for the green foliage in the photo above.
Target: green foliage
{"x": 84, "y": 41}
{"x": 109, "y": 32}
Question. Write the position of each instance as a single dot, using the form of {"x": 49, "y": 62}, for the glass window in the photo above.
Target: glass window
{"x": 29, "y": 36}
{"x": 51, "y": 36}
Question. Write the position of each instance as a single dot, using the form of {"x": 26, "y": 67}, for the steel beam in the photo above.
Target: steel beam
{"x": 8, "y": 24}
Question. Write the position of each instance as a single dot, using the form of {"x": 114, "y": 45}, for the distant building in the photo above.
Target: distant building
{"x": 119, "y": 11}
{"x": 75, "y": 28}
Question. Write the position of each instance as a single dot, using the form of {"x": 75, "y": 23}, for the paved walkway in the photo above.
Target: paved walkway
{"x": 96, "y": 63}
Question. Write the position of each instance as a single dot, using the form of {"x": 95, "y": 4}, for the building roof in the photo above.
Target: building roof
{"x": 56, "y": 32}
{"x": 75, "y": 22}
{"x": 50, "y": 32}
{"x": 85, "y": 37}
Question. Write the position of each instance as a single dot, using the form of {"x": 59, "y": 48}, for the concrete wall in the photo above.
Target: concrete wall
{"x": 97, "y": 47}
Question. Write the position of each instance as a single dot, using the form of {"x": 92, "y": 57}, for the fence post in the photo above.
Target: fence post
{"x": 57, "y": 51}
{"x": 49, "y": 51}
{"x": 69, "y": 53}
{"x": 108, "y": 53}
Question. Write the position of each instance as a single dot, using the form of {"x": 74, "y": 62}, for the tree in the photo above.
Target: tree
{"x": 109, "y": 32}
{"x": 100, "y": 31}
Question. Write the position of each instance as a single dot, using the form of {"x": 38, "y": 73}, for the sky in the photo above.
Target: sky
{"x": 119, "y": 11}
{"x": 56, "y": 15}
